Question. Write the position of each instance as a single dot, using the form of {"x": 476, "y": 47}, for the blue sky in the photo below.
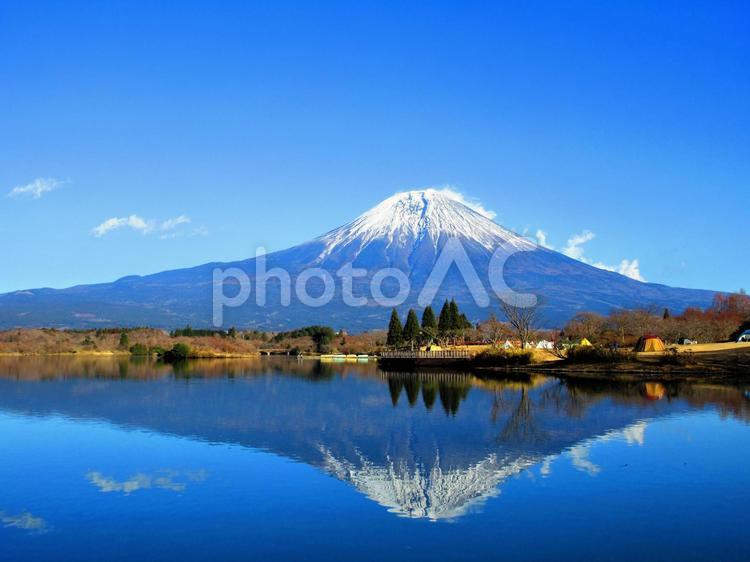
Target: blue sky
{"x": 206, "y": 129}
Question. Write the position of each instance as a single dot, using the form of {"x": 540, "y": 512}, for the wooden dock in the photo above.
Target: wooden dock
{"x": 397, "y": 360}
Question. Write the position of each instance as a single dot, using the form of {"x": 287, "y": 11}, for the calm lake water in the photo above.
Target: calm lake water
{"x": 106, "y": 459}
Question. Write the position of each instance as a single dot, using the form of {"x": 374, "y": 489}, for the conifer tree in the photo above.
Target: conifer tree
{"x": 454, "y": 316}
{"x": 428, "y": 319}
{"x": 395, "y": 330}
{"x": 411, "y": 330}
{"x": 464, "y": 322}
{"x": 429, "y": 324}
{"x": 444, "y": 322}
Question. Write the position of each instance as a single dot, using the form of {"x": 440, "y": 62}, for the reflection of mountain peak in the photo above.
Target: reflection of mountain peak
{"x": 424, "y": 492}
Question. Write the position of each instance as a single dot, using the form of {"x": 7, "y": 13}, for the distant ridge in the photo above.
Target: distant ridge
{"x": 407, "y": 232}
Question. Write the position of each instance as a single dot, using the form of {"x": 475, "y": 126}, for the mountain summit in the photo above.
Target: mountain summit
{"x": 430, "y": 215}
{"x": 404, "y": 237}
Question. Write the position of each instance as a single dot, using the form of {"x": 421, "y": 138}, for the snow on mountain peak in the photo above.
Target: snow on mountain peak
{"x": 426, "y": 214}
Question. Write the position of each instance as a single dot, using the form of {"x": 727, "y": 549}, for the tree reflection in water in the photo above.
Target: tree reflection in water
{"x": 515, "y": 400}
{"x": 407, "y": 456}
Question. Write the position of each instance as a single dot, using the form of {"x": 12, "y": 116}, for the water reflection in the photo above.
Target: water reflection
{"x": 172, "y": 480}
{"x": 451, "y": 388}
{"x": 426, "y": 489}
{"x": 24, "y": 521}
{"x": 429, "y": 445}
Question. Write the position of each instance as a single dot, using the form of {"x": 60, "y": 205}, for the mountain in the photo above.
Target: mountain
{"x": 409, "y": 232}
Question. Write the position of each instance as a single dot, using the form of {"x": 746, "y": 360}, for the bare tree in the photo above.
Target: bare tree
{"x": 589, "y": 325}
{"x": 521, "y": 318}
{"x": 493, "y": 330}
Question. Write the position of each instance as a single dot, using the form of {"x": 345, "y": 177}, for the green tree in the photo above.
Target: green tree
{"x": 411, "y": 330}
{"x": 322, "y": 336}
{"x": 139, "y": 349}
{"x": 454, "y": 316}
{"x": 429, "y": 322}
{"x": 429, "y": 325}
{"x": 463, "y": 322}
{"x": 179, "y": 352}
{"x": 395, "y": 330}
{"x": 124, "y": 341}
{"x": 444, "y": 321}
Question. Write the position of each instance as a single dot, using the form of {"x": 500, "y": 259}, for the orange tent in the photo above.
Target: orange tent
{"x": 650, "y": 343}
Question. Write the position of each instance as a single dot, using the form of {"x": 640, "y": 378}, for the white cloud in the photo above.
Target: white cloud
{"x": 139, "y": 224}
{"x": 632, "y": 269}
{"x": 575, "y": 248}
{"x": 133, "y": 221}
{"x": 171, "y": 224}
{"x": 36, "y": 188}
{"x": 541, "y": 239}
{"x": 629, "y": 268}
{"x": 471, "y": 203}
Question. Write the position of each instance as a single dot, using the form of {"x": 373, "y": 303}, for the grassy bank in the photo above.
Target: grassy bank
{"x": 201, "y": 343}
{"x": 722, "y": 362}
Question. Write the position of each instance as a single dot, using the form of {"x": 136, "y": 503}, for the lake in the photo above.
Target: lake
{"x": 116, "y": 459}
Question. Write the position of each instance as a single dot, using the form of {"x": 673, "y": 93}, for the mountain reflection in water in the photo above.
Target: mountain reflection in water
{"x": 432, "y": 445}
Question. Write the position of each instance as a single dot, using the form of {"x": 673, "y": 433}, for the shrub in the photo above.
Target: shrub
{"x": 124, "y": 341}
{"x": 139, "y": 349}
{"x": 499, "y": 356}
{"x": 588, "y": 354}
{"x": 179, "y": 352}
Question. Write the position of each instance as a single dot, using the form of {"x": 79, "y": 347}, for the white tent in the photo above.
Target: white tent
{"x": 508, "y": 345}
{"x": 544, "y": 344}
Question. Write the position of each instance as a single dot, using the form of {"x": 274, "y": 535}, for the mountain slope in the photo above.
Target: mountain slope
{"x": 408, "y": 232}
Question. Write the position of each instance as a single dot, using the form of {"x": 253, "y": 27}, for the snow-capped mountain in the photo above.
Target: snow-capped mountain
{"x": 408, "y": 232}
{"x": 406, "y": 220}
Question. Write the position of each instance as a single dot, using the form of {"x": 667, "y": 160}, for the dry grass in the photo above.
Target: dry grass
{"x": 46, "y": 342}
{"x": 709, "y": 347}
{"x": 92, "y": 342}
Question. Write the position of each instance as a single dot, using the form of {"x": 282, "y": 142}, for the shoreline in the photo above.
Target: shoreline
{"x": 608, "y": 374}
{"x": 127, "y": 354}
{"x": 724, "y": 367}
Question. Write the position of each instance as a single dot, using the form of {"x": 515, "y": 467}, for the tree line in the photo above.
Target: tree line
{"x": 721, "y": 321}
{"x": 448, "y": 326}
